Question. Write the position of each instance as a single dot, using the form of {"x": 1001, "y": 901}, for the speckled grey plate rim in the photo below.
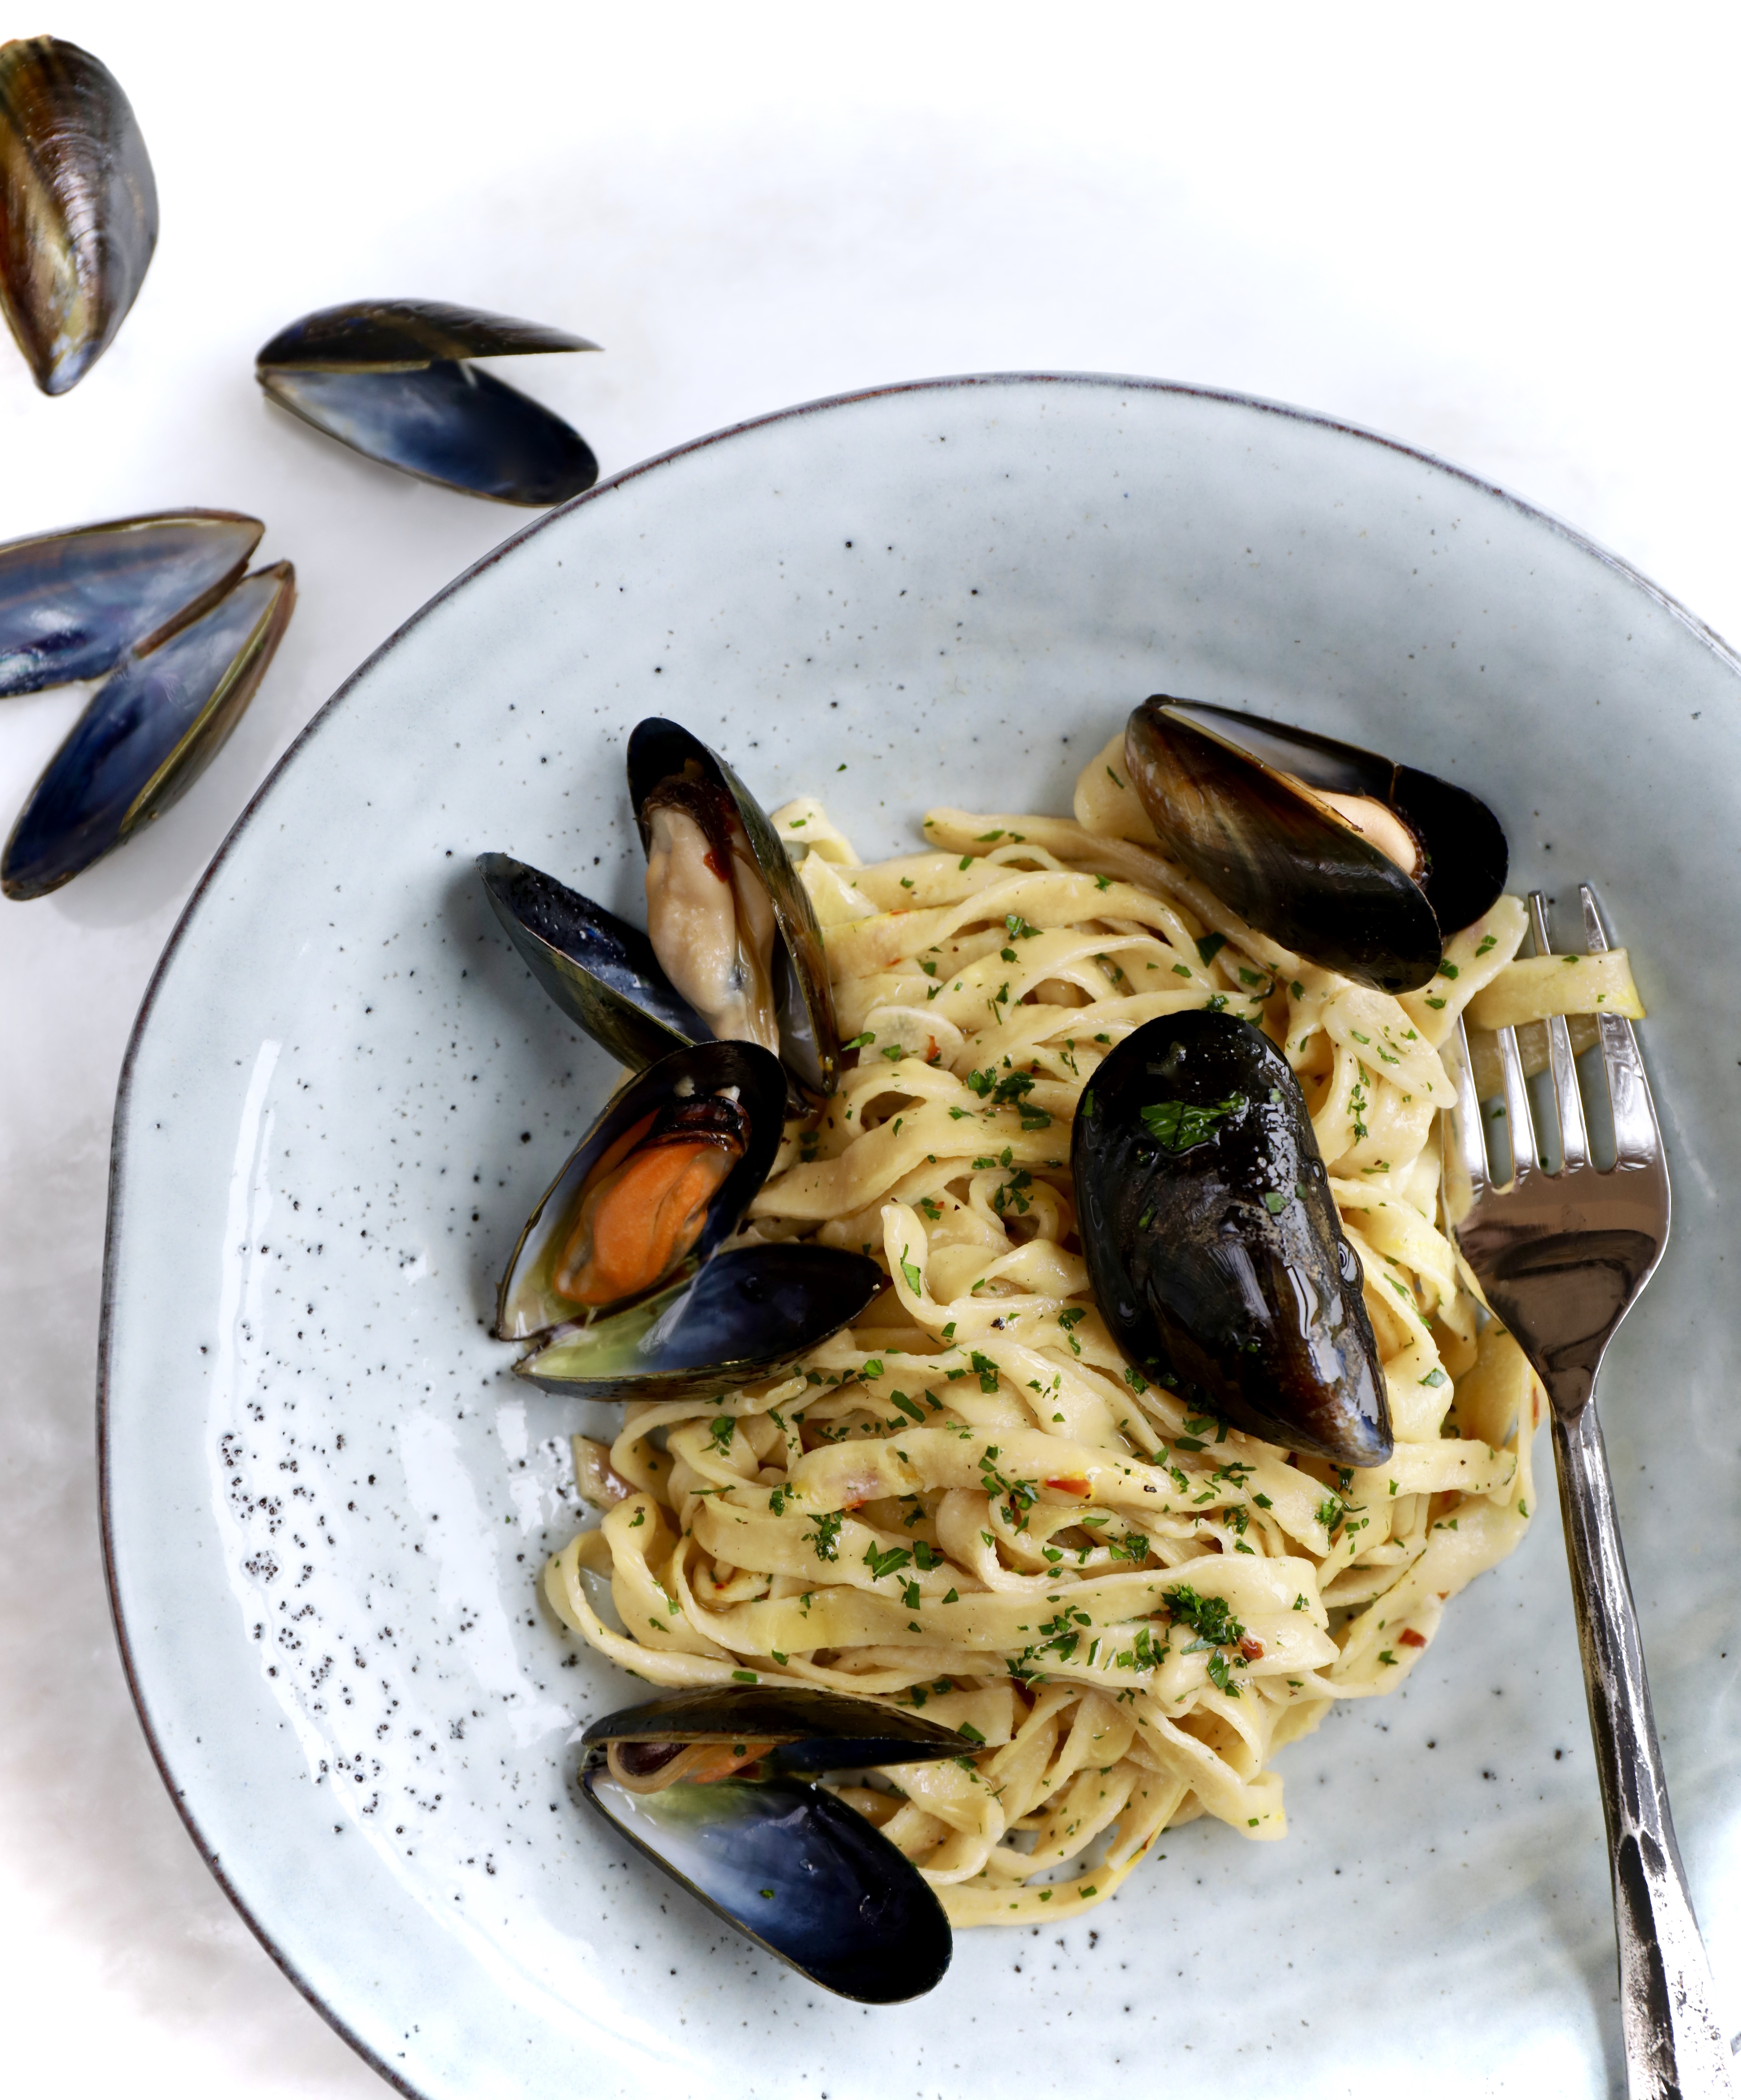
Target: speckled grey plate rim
{"x": 123, "y": 1101}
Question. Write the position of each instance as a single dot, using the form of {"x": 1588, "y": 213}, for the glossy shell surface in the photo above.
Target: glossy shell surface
{"x": 1274, "y": 857}
{"x": 600, "y": 970}
{"x": 1464, "y": 843}
{"x": 399, "y": 335}
{"x": 748, "y": 1313}
{"x": 387, "y": 378}
{"x": 529, "y": 1302}
{"x": 72, "y": 604}
{"x": 146, "y": 735}
{"x": 1217, "y": 1256}
{"x": 798, "y": 1871}
{"x": 78, "y": 207}
{"x": 786, "y": 1863}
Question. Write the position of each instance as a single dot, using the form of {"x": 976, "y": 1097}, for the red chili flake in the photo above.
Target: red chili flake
{"x": 1252, "y": 1648}
{"x": 1070, "y": 1483}
{"x": 712, "y": 865}
{"x": 1410, "y": 1639}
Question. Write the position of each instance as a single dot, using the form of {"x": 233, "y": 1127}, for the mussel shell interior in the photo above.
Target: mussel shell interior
{"x": 78, "y": 207}
{"x": 600, "y": 971}
{"x": 799, "y": 1872}
{"x": 744, "y": 1315}
{"x": 529, "y": 1303}
{"x": 72, "y": 604}
{"x": 1283, "y": 864}
{"x": 1464, "y": 845}
{"x": 815, "y": 1730}
{"x": 1254, "y": 1314}
{"x": 146, "y": 735}
{"x": 1468, "y": 856}
{"x": 447, "y": 423}
{"x": 809, "y": 1041}
{"x": 399, "y": 335}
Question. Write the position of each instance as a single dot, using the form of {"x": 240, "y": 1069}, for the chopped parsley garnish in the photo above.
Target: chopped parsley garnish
{"x": 1180, "y": 1125}
{"x": 824, "y": 1534}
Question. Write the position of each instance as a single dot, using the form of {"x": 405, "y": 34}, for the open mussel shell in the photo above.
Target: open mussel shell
{"x": 1230, "y": 795}
{"x": 750, "y": 1088}
{"x": 1215, "y": 1250}
{"x": 146, "y": 735}
{"x": 746, "y": 1315}
{"x": 72, "y": 604}
{"x": 808, "y": 1730}
{"x": 1462, "y": 841}
{"x": 78, "y": 207}
{"x": 600, "y": 970}
{"x": 385, "y": 376}
{"x": 786, "y": 1863}
{"x": 660, "y": 751}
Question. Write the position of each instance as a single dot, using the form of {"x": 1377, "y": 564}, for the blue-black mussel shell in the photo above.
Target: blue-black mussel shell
{"x": 146, "y": 735}
{"x": 1216, "y": 1254}
{"x": 73, "y": 604}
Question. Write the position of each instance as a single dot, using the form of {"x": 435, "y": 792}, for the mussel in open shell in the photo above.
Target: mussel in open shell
{"x": 712, "y": 1785}
{"x": 78, "y": 207}
{"x": 731, "y": 924}
{"x": 388, "y": 377}
{"x": 1353, "y": 862}
{"x": 660, "y": 1179}
{"x": 1215, "y": 1250}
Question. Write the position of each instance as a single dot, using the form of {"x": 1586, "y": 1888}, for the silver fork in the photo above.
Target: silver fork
{"x": 1562, "y": 1253}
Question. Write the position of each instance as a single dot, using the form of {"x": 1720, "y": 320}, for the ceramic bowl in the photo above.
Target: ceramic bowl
{"x": 327, "y": 1501}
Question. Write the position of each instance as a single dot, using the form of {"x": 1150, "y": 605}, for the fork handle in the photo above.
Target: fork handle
{"x": 1674, "y": 2049}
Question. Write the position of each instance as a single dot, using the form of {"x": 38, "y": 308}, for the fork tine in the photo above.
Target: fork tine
{"x": 1524, "y": 1159}
{"x": 1465, "y": 1166}
{"x": 1638, "y": 1139}
{"x": 1574, "y": 1140}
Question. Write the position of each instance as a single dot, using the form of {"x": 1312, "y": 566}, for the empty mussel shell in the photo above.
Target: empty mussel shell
{"x": 600, "y": 970}
{"x": 786, "y": 1863}
{"x": 1351, "y": 861}
{"x": 746, "y": 1314}
{"x": 386, "y": 377}
{"x": 72, "y": 604}
{"x": 1216, "y": 1253}
{"x": 732, "y": 925}
{"x": 661, "y": 1178}
{"x": 78, "y": 207}
{"x": 146, "y": 735}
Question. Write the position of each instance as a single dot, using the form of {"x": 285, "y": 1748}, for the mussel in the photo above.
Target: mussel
{"x": 72, "y": 604}
{"x": 600, "y": 970}
{"x": 660, "y": 1179}
{"x": 745, "y": 1314}
{"x": 1354, "y": 862}
{"x": 733, "y": 950}
{"x": 1214, "y": 1248}
{"x": 733, "y": 927}
{"x": 148, "y": 732}
{"x": 386, "y": 376}
{"x": 78, "y": 207}
{"x": 712, "y": 1785}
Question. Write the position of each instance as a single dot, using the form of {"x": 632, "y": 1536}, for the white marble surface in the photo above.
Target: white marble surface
{"x": 1503, "y": 240}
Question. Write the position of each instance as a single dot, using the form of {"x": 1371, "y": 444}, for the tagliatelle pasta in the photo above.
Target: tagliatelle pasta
{"x": 970, "y": 1503}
